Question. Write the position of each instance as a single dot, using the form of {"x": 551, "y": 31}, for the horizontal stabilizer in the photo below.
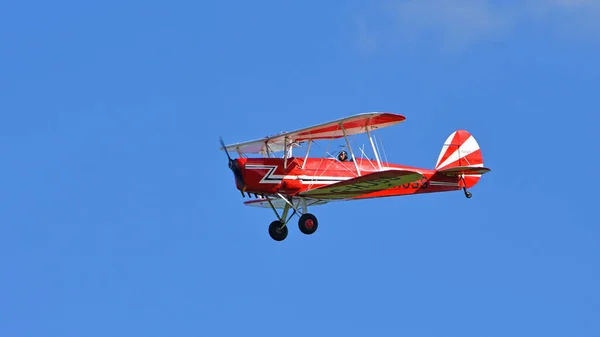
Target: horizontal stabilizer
{"x": 368, "y": 183}
{"x": 466, "y": 170}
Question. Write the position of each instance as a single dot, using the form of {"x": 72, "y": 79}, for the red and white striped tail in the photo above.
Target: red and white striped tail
{"x": 459, "y": 150}
{"x": 461, "y": 156}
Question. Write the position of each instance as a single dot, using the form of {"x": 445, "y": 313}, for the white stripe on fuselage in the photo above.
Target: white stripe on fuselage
{"x": 271, "y": 178}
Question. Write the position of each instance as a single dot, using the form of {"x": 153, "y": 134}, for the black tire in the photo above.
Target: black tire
{"x": 308, "y": 223}
{"x": 276, "y": 232}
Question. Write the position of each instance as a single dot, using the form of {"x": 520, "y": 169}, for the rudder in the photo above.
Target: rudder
{"x": 461, "y": 152}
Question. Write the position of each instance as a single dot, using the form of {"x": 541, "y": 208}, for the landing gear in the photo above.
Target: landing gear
{"x": 467, "y": 193}
{"x": 278, "y": 229}
{"x": 308, "y": 223}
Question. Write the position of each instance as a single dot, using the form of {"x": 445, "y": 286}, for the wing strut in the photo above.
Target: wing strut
{"x": 350, "y": 148}
{"x": 373, "y": 146}
{"x": 285, "y": 152}
{"x": 307, "y": 152}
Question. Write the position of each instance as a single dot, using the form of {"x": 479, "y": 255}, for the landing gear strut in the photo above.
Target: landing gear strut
{"x": 278, "y": 229}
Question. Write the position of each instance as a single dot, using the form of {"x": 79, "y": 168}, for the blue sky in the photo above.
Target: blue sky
{"x": 119, "y": 214}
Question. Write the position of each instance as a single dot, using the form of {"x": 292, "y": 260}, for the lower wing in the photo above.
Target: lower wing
{"x": 368, "y": 183}
{"x": 280, "y": 203}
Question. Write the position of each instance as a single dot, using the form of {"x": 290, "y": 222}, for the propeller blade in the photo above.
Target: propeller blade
{"x": 233, "y": 164}
{"x": 224, "y": 148}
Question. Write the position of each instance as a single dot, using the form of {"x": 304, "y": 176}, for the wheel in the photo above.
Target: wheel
{"x": 277, "y": 232}
{"x": 308, "y": 223}
{"x": 467, "y": 193}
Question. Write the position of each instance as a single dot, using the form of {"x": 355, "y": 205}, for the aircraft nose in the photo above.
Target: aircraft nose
{"x": 236, "y": 167}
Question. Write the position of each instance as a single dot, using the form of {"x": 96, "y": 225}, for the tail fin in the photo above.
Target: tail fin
{"x": 461, "y": 155}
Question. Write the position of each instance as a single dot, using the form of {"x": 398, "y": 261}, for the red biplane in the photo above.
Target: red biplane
{"x": 294, "y": 183}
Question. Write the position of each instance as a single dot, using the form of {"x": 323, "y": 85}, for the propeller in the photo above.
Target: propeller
{"x": 233, "y": 165}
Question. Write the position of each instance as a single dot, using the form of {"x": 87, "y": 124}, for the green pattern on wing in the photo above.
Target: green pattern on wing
{"x": 369, "y": 183}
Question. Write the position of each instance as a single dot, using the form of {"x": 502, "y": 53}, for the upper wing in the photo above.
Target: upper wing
{"x": 331, "y": 130}
{"x": 368, "y": 183}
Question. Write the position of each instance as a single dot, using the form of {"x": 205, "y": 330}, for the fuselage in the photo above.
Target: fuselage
{"x": 266, "y": 176}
